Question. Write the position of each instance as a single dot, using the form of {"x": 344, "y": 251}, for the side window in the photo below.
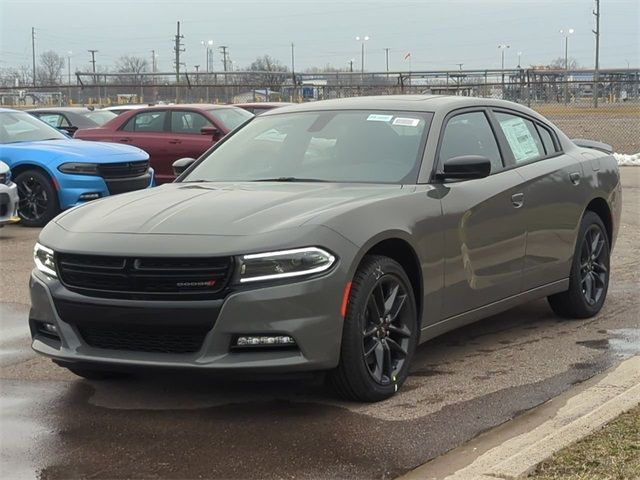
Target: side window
{"x": 188, "y": 122}
{"x": 470, "y": 134}
{"x": 547, "y": 140}
{"x": 146, "y": 122}
{"x": 522, "y": 137}
{"x": 52, "y": 119}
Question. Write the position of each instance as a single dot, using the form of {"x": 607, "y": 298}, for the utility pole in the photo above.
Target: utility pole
{"x": 177, "y": 50}
{"x": 293, "y": 71}
{"x": 33, "y": 53}
{"x": 386, "y": 52}
{"x": 351, "y": 66}
{"x": 153, "y": 61}
{"x": 223, "y": 49}
{"x": 596, "y": 75}
{"x": 460, "y": 65}
{"x": 93, "y": 64}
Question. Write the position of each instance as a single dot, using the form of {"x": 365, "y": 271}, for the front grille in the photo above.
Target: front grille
{"x": 143, "y": 339}
{"x": 145, "y": 277}
{"x": 123, "y": 170}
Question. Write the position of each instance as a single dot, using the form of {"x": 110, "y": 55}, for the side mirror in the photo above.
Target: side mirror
{"x": 465, "y": 167}
{"x": 180, "y": 165}
{"x": 213, "y": 132}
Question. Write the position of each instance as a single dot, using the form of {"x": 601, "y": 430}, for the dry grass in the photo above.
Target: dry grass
{"x": 612, "y": 453}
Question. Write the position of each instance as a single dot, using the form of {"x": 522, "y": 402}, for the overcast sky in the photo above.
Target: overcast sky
{"x": 438, "y": 33}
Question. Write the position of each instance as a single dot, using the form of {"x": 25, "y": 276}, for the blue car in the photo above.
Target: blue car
{"x": 54, "y": 172}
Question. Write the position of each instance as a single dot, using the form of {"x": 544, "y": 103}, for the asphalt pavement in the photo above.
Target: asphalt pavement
{"x": 167, "y": 425}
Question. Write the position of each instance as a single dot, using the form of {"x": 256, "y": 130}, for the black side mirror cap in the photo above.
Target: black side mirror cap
{"x": 180, "y": 165}
{"x": 465, "y": 167}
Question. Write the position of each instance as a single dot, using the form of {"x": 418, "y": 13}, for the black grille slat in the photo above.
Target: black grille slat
{"x": 131, "y": 277}
{"x": 123, "y": 170}
{"x": 143, "y": 340}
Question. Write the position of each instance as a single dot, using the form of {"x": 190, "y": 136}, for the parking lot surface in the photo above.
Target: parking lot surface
{"x": 177, "y": 425}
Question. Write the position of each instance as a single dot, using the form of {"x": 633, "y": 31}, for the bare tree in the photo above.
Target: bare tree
{"x": 276, "y": 71}
{"x": 133, "y": 65}
{"x": 16, "y": 76}
{"x": 49, "y": 71}
{"x": 559, "y": 63}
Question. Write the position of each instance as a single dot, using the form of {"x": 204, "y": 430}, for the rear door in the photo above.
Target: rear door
{"x": 484, "y": 226}
{"x": 148, "y": 130}
{"x": 186, "y": 138}
{"x": 555, "y": 194}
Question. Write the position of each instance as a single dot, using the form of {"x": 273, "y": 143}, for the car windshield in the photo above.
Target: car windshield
{"x": 100, "y": 116}
{"x": 230, "y": 117}
{"x": 22, "y": 127}
{"x": 329, "y": 146}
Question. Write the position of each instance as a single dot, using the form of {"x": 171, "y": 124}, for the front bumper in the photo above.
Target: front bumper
{"x": 308, "y": 311}
{"x": 72, "y": 187}
{"x": 8, "y": 204}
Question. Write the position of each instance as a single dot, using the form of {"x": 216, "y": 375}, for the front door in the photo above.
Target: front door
{"x": 485, "y": 227}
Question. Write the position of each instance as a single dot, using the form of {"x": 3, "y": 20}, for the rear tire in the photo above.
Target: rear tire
{"x": 379, "y": 334}
{"x": 589, "y": 277}
{"x": 38, "y": 202}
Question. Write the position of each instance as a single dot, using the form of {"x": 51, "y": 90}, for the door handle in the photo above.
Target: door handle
{"x": 125, "y": 139}
{"x": 575, "y": 178}
{"x": 517, "y": 199}
{"x": 175, "y": 141}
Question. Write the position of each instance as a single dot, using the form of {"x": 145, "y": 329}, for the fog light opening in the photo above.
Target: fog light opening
{"x": 48, "y": 329}
{"x": 90, "y": 196}
{"x": 263, "y": 341}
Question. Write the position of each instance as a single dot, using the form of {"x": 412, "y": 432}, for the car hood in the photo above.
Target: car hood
{"x": 74, "y": 150}
{"x": 220, "y": 208}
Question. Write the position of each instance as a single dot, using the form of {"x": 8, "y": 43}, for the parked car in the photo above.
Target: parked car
{"x": 125, "y": 107}
{"x": 170, "y": 132}
{"x": 54, "y": 172}
{"x": 8, "y": 197}
{"x": 374, "y": 225}
{"x": 260, "y": 107}
{"x": 71, "y": 119}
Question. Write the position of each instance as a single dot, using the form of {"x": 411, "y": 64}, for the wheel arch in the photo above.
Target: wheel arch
{"x": 17, "y": 169}
{"x": 600, "y": 207}
{"x": 398, "y": 247}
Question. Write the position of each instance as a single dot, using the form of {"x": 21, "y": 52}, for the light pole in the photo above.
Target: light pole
{"x": 566, "y": 34}
{"x": 519, "y": 58}
{"x": 208, "y": 45}
{"x": 69, "y": 53}
{"x": 502, "y": 48}
{"x": 362, "y": 40}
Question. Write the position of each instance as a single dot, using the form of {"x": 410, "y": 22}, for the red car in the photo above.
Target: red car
{"x": 169, "y": 132}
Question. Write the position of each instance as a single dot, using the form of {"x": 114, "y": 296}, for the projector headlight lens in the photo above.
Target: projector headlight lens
{"x": 283, "y": 264}
{"x": 43, "y": 258}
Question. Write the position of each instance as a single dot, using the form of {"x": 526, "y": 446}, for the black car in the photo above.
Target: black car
{"x": 70, "y": 119}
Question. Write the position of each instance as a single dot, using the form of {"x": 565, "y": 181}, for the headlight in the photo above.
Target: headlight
{"x": 283, "y": 264}
{"x": 43, "y": 257}
{"x": 79, "y": 168}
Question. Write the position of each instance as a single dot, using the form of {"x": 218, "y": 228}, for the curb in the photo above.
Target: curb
{"x": 512, "y": 450}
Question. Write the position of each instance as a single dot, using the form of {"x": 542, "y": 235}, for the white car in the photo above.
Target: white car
{"x": 8, "y": 197}
{"x": 125, "y": 107}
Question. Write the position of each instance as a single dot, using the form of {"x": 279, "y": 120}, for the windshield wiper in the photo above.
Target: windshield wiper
{"x": 289, "y": 179}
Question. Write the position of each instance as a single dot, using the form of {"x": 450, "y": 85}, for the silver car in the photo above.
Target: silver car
{"x": 8, "y": 197}
{"x": 334, "y": 236}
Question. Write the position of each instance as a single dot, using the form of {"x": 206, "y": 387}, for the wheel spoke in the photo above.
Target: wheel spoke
{"x": 368, "y": 352}
{"x": 600, "y": 267}
{"x": 388, "y": 367}
{"x": 398, "y": 307}
{"x": 401, "y": 330}
{"x": 588, "y": 287}
{"x": 371, "y": 302}
{"x": 370, "y": 332}
{"x": 378, "y": 299}
{"x": 595, "y": 240}
{"x": 379, "y": 353}
{"x": 396, "y": 347}
{"x": 391, "y": 299}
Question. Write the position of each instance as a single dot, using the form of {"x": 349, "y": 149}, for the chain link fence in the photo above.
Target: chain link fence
{"x": 606, "y": 110}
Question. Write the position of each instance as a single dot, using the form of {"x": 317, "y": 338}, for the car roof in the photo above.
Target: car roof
{"x": 263, "y": 104}
{"x": 61, "y": 109}
{"x": 192, "y": 106}
{"x": 413, "y": 103}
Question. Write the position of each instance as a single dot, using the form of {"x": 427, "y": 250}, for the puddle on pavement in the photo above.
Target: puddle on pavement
{"x": 622, "y": 343}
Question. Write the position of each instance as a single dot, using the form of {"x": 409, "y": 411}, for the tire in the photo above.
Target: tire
{"x": 38, "y": 202}
{"x": 94, "y": 374}
{"x": 589, "y": 277}
{"x": 376, "y": 348}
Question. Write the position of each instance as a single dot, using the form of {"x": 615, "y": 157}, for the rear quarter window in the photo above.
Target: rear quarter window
{"x": 522, "y": 137}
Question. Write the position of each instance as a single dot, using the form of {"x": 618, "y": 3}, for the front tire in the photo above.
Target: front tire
{"x": 380, "y": 332}
{"x": 589, "y": 278}
{"x": 38, "y": 202}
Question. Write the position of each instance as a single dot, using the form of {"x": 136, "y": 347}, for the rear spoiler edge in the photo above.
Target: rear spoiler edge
{"x": 585, "y": 143}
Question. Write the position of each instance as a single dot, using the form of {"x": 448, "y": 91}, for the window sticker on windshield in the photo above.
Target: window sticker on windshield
{"x": 406, "y": 122}
{"x": 374, "y": 117}
{"x": 520, "y": 139}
